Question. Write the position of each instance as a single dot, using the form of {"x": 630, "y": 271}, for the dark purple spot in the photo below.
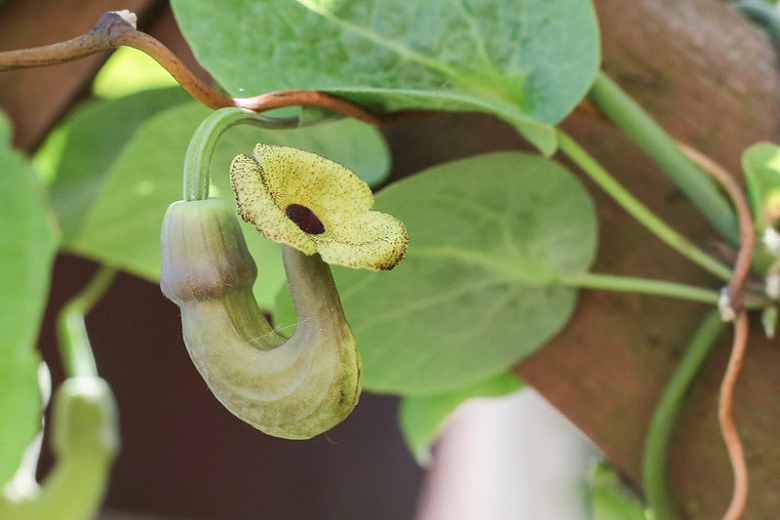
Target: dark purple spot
{"x": 305, "y": 219}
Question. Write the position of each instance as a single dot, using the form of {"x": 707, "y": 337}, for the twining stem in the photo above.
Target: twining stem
{"x": 621, "y": 109}
{"x": 727, "y": 426}
{"x": 741, "y": 331}
{"x": 638, "y": 210}
{"x": 747, "y": 236}
{"x": 656, "y": 452}
{"x": 639, "y": 285}
{"x": 112, "y": 31}
{"x": 197, "y": 160}
{"x": 74, "y": 344}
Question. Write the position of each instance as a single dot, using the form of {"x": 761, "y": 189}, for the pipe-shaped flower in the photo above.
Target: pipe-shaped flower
{"x": 316, "y": 206}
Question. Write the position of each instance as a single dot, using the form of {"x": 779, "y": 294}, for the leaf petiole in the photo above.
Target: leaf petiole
{"x": 653, "y": 139}
{"x": 639, "y": 211}
{"x": 638, "y": 285}
{"x": 75, "y": 347}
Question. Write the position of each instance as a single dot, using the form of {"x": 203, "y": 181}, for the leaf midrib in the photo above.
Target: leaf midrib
{"x": 457, "y": 75}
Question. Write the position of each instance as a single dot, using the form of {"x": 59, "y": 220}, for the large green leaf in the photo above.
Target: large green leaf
{"x": 78, "y": 155}
{"x": 28, "y": 241}
{"x": 528, "y": 61}
{"x": 123, "y": 227}
{"x": 488, "y": 237}
{"x": 423, "y": 418}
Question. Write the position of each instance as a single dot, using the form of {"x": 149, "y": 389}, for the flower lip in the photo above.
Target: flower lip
{"x": 316, "y": 206}
{"x": 305, "y": 219}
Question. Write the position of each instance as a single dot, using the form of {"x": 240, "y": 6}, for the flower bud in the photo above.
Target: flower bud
{"x": 85, "y": 419}
{"x": 204, "y": 255}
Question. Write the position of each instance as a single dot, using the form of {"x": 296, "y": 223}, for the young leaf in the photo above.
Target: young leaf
{"x": 123, "y": 226}
{"x": 761, "y": 164}
{"x": 528, "y": 61}
{"x": 477, "y": 292}
{"x": 28, "y": 242}
{"x": 423, "y": 418}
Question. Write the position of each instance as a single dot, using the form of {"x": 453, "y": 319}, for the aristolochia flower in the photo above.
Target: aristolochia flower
{"x": 316, "y": 206}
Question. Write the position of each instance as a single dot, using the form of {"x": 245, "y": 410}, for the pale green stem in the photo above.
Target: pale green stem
{"x": 659, "y": 435}
{"x": 638, "y": 210}
{"x": 696, "y": 184}
{"x": 198, "y": 158}
{"x": 75, "y": 348}
{"x": 638, "y": 285}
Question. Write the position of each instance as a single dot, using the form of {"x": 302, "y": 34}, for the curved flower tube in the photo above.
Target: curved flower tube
{"x": 292, "y": 388}
{"x": 316, "y": 206}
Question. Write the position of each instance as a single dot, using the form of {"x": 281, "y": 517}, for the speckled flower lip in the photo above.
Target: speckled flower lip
{"x": 316, "y": 206}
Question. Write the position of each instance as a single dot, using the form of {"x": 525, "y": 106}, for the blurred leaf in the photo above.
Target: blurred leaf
{"x": 761, "y": 163}
{"x": 123, "y": 227}
{"x": 611, "y": 498}
{"x": 476, "y": 293}
{"x": 528, "y": 61}
{"x": 28, "y": 242}
{"x": 78, "y": 155}
{"x": 128, "y": 71}
{"x": 769, "y": 321}
{"x": 423, "y": 418}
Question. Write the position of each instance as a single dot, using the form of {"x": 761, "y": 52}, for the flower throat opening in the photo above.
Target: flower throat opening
{"x": 305, "y": 219}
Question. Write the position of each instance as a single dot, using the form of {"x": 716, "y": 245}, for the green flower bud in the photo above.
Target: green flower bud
{"x": 85, "y": 441}
{"x": 295, "y": 388}
{"x": 204, "y": 253}
{"x": 85, "y": 419}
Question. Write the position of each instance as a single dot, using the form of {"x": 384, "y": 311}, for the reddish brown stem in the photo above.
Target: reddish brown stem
{"x": 725, "y": 416}
{"x": 113, "y": 31}
{"x": 736, "y": 287}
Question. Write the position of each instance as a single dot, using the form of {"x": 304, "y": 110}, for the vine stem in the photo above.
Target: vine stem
{"x": 72, "y": 337}
{"x": 659, "y": 435}
{"x": 113, "y": 30}
{"x": 747, "y": 236}
{"x": 636, "y": 209}
{"x": 622, "y": 110}
{"x": 639, "y": 285}
{"x": 736, "y": 288}
{"x": 197, "y": 160}
{"x": 728, "y": 427}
